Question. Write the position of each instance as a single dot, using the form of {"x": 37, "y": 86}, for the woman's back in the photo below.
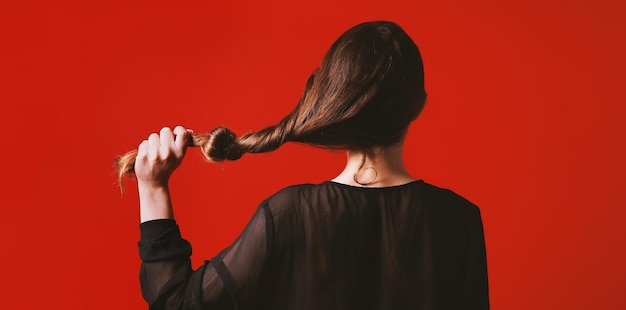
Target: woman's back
{"x": 409, "y": 246}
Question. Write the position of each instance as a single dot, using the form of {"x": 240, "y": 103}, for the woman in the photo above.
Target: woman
{"x": 371, "y": 238}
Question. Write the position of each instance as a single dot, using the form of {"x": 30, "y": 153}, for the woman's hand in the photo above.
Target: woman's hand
{"x": 157, "y": 158}
{"x": 160, "y": 155}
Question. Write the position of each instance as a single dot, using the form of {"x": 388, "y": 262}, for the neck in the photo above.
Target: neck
{"x": 383, "y": 167}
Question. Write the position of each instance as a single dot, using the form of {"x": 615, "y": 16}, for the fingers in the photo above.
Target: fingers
{"x": 142, "y": 151}
{"x": 182, "y": 137}
{"x": 154, "y": 144}
{"x": 167, "y": 136}
{"x": 160, "y": 154}
{"x": 166, "y": 141}
{"x": 174, "y": 141}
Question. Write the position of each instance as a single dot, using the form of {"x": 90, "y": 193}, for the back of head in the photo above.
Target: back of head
{"x": 368, "y": 89}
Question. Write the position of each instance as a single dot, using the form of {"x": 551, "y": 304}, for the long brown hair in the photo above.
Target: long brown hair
{"x": 367, "y": 90}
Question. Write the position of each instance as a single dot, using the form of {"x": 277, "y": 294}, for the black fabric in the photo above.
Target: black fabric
{"x": 331, "y": 246}
{"x": 155, "y": 228}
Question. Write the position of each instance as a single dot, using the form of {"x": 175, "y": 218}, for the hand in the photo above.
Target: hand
{"x": 160, "y": 155}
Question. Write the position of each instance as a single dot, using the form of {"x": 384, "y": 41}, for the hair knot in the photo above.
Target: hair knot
{"x": 222, "y": 144}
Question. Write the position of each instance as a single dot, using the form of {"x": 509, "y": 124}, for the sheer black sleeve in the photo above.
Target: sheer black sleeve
{"x": 477, "y": 280}
{"x": 168, "y": 281}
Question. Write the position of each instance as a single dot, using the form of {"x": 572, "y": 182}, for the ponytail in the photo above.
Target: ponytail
{"x": 368, "y": 89}
{"x": 218, "y": 145}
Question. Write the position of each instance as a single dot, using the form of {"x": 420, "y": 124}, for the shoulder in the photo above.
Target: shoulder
{"x": 289, "y": 197}
{"x": 448, "y": 200}
{"x": 291, "y": 192}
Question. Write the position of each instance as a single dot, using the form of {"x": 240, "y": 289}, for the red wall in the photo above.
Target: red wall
{"x": 524, "y": 118}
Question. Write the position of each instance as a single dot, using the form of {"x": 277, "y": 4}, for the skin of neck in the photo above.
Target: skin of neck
{"x": 383, "y": 167}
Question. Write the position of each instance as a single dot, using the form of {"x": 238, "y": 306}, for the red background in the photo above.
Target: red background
{"x": 524, "y": 118}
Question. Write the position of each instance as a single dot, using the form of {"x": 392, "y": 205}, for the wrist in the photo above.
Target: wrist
{"x": 154, "y": 202}
{"x": 152, "y": 185}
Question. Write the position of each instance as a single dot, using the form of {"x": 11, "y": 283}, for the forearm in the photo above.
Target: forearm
{"x": 154, "y": 202}
{"x": 166, "y": 268}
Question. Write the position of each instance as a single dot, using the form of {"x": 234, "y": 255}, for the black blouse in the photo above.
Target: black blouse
{"x": 330, "y": 246}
